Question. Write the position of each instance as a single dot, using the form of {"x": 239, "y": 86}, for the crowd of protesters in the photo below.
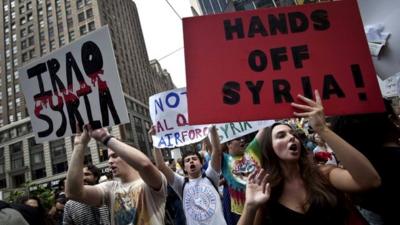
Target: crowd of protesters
{"x": 297, "y": 171}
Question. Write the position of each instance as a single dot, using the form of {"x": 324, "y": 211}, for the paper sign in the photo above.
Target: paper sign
{"x": 168, "y": 112}
{"x": 250, "y": 65}
{"x": 390, "y": 87}
{"x": 78, "y": 83}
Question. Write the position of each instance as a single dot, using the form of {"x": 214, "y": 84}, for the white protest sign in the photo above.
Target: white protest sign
{"x": 168, "y": 112}
{"x": 78, "y": 83}
{"x": 390, "y": 87}
{"x": 230, "y": 131}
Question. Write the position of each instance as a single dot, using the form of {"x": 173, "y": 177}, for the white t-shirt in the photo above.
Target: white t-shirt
{"x": 134, "y": 203}
{"x": 201, "y": 201}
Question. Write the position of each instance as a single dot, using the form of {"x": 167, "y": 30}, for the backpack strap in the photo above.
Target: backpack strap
{"x": 185, "y": 181}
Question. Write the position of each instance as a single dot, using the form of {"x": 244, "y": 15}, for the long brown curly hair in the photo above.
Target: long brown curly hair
{"x": 320, "y": 193}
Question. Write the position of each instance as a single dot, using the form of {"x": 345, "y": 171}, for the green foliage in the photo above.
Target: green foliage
{"x": 45, "y": 194}
{"x": 14, "y": 195}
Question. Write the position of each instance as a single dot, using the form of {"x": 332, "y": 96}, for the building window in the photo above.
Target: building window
{"x": 18, "y": 180}
{"x": 70, "y": 22}
{"x": 51, "y": 32}
{"x": 31, "y": 41}
{"x": 2, "y": 162}
{"x": 82, "y": 30}
{"x": 16, "y": 155}
{"x": 23, "y": 32}
{"x": 71, "y": 36}
{"x": 24, "y": 44}
{"x": 89, "y": 13}
{"x": 25, "y": 57}
{"x": 62, "y": 40}
{"x": 38, "y": 168}
{"x": 79, "y": 4}
{"x": 103, "y": 153}
{"x": 3, "y": 183}
{"x": 29, "y": 5}
{"x": 81, "y": 16}
{"x": 52, "y": 45}
{"x": 58, "y": 156}
{"x": 37, "y": 158}
{"x": 30, "y": 17}
{"x": 92, "y": 27}
{"x": 22, "y": 21}
{"x": 60, "y": 27}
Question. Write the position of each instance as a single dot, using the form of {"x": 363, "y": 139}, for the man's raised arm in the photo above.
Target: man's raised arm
{"x": 134, "y": 157}
{"x": 74, "y": 188}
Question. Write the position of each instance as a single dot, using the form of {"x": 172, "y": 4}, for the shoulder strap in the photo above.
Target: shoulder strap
{"x": 205, "y": 175}
{"x": 186, "y": 179}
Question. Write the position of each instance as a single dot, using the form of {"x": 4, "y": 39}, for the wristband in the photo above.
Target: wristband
{"x": 107, "y": 139}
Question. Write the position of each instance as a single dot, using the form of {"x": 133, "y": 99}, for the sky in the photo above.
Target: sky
{"x": 162, "y": 30}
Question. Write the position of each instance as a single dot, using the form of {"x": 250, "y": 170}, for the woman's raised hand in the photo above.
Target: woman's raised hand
{"x": 313, "y": 110}
{"x": 257, "y": 189}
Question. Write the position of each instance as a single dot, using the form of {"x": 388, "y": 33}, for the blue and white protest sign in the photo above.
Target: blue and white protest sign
{"x": 168, "y": 112}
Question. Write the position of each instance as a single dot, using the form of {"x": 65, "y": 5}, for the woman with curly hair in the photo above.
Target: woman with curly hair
{"x": 292, "y": 189}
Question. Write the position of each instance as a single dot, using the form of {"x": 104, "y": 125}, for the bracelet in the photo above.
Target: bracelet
{"x": 107, "y": 139}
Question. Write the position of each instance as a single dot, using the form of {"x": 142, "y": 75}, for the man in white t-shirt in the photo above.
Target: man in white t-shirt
{"x": 138, "y": 196}
{"x": 200, "y": 198}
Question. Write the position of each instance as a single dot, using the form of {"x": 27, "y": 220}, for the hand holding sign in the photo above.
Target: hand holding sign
{"x": 98, "y": 134}
{"x": 313, "y": 110}
{"x": 81, "y": 138}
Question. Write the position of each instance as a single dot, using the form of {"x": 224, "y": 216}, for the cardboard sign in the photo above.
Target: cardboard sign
{"x": 250, "y": 65}
{"x": 78, "y": 83}
{"x": 168, "y": 112}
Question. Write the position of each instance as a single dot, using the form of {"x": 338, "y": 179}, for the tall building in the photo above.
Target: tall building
{"x": 208, "y": 7}
{"x": 33, "y": 28}
{"x": 162, "y": 78}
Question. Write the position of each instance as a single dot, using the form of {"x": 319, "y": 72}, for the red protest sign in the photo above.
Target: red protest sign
{"x": 250, "y": 65}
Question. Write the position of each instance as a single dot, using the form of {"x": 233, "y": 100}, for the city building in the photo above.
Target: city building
{"x": 32, "y": 28}
{"x": 209, "y": 7}
{"x": 162, "y": 79}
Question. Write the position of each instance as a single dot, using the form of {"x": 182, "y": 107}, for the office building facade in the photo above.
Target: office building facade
{"x": 33, "y": 28}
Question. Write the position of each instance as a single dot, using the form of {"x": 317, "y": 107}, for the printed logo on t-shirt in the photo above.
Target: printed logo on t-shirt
{"x": 242, "y": 168}
{"x": 200, "y": 202}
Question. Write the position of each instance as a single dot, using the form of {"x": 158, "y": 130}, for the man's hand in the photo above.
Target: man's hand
{"x": 98, "y": 134}
{"x": 82, "y": 138}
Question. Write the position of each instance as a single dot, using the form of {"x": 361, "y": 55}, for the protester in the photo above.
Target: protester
{"x": 238, "y": 163}
{"x": 199, "y": 192}
{"x": 76, "y": 213}
{"x": 291, "y": 189}
{"x": 32, "y": 201}
{"x": 36, "y": 202}
{"x": 174, "y": 203}
{"x": 10, "y": 216}
{"x": 138, "y": 195}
